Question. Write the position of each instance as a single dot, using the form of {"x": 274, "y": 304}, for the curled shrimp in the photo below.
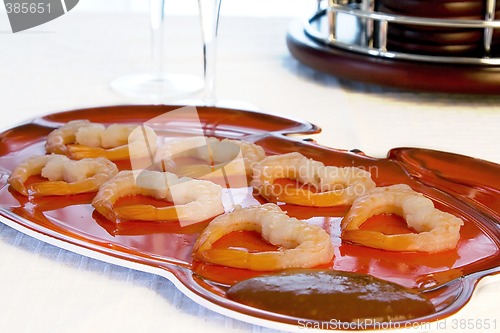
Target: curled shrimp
{"x": 209, "y": 154}
{"x": 194, "y": 200}
{"x": 82, "y": 139}
{"x": 435, "y": 230}
{"x": 301, "y": 245}
{"x": 64, "y": 176}
{"x": 252, "y": 153}
{"x": 333, "y": 185}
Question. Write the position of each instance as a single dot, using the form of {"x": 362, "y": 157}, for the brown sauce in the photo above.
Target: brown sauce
{"x": 331, "y": 295}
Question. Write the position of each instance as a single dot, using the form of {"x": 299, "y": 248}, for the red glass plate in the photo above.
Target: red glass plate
{"x": 467, "y": 187}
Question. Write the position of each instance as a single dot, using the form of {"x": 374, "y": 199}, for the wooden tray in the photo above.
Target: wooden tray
{"x": 405, "y": 74}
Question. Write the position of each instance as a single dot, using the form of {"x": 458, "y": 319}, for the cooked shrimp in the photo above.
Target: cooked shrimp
{"x": 82, "y": 139}
{"x": 333, "y": 185}
{"x": 301, "y": 245}
{"x": 66, "y": 134}
{"x": 189, "y": 147}
{"x": 251, "y": 153}
{"x": 64, "y": 176}
{"x": 207, "y": 155}
{"x": 194, "y": 200}
{"x": 436, "y": 230}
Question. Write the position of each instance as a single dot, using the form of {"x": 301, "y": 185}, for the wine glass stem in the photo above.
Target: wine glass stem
{"x": 209, "y": 17}
{"x": 157, "y": 12}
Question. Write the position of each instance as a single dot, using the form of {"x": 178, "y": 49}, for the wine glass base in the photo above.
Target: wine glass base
{"x": 151, "y": 87}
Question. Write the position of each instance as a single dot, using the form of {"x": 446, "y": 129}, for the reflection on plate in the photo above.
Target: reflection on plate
{"x": 466, "y": 187}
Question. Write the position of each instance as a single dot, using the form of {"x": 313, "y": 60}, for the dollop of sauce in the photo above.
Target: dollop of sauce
{"x": 326, "y": 295}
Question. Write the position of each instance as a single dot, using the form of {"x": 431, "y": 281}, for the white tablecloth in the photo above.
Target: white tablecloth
{"x": 69, "y": 63}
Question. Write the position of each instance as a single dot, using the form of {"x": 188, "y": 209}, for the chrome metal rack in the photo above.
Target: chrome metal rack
{"x": 356, "y": 26}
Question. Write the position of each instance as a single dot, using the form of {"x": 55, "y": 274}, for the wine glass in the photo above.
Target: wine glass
{"x": 209, "y": 20}
{"x": 157, "y": 85}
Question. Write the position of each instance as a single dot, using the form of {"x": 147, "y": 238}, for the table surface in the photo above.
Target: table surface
{"x": 69, "y": 63}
